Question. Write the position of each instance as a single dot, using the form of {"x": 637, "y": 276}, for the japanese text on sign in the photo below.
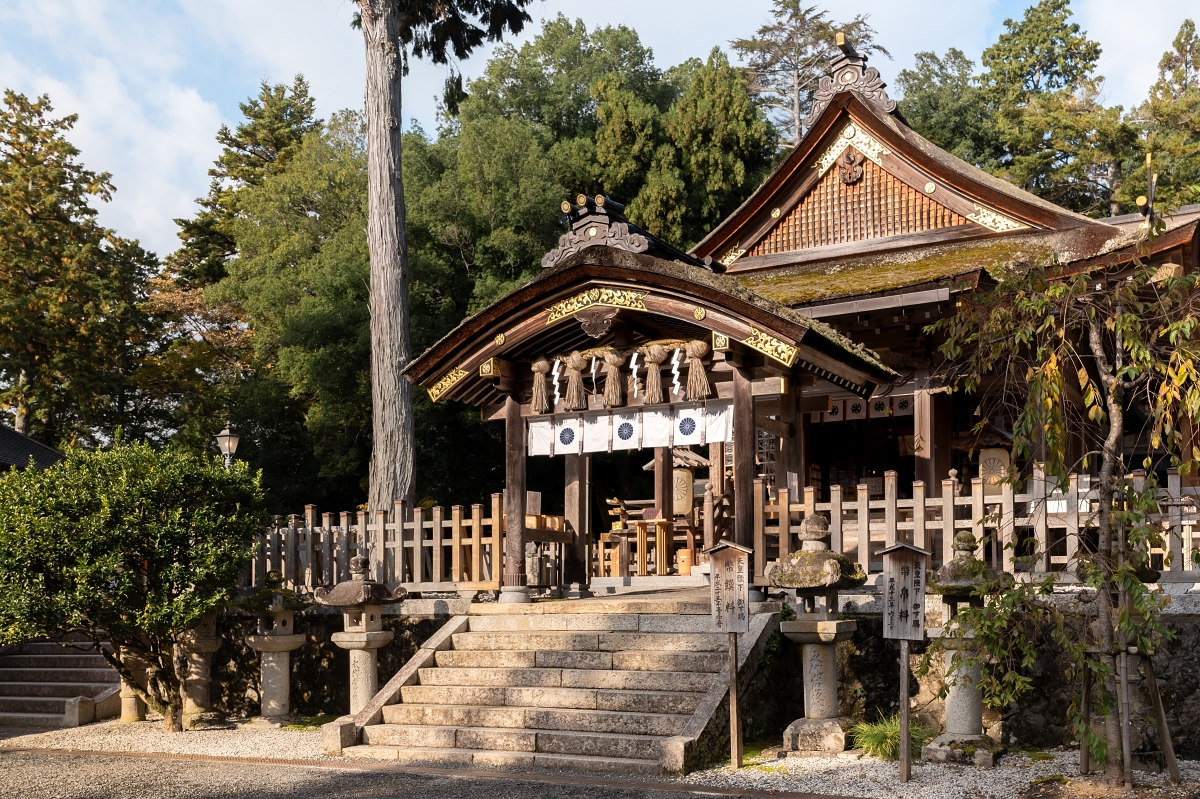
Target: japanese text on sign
{"x": 904, "y": 596}
{"x": 730, "y": 591}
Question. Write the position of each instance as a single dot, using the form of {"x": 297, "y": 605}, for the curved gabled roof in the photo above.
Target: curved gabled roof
{"x": 657, "y": 299}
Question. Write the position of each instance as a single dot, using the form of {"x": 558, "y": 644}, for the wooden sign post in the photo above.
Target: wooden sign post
{"x": 730, "y": 575}
{"x": 904, "y": 618}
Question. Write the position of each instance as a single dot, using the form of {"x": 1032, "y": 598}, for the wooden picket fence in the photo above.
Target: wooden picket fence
{"x": 1047, "y": 524}
{"x": 422, "y": 549}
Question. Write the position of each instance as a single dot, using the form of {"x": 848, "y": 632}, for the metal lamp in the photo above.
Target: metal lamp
{"x": 227, "y": 442}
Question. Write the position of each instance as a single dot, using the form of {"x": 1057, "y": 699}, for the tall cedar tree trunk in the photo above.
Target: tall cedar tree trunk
{"x": 1110, "y": 383}
{"x": 391, "y": 347}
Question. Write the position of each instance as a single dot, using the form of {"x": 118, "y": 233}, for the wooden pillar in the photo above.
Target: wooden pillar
{"x": 932, "y": 433}
{"x": 744, "y": 446}
{"x": 576, "y": 510}
{"x": 664, "y": 483}
{"x": 791, "y": 450}
{"x": 514, "y": 494}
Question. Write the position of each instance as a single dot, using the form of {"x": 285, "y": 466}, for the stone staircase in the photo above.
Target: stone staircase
{"x": 578, "y": 687}
{"x": 44, "y": 684}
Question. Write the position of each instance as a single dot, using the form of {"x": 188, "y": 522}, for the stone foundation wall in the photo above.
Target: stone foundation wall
{"x": 320, "y": 670}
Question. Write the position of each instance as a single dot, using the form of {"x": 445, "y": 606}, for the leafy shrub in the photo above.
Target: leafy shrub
{"x": 129, "y": 545}
{"x": 882, "y": 738}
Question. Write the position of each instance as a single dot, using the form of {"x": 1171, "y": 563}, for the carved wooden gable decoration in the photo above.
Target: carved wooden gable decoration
{"x": 860, "y": 180}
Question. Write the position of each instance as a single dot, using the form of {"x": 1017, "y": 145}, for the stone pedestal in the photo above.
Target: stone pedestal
{"x": 198, "y": 645}
{"x": 822, "y": 730}
{"x": 132, "y": 706}
{"x": 963, "y": 741}
{"x": 364, "y": 634}
{"x": 274, "y": 643}
{"x": 514, "y": 594}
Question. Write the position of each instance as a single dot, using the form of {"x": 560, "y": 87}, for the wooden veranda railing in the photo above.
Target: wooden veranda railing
{"x": 422, "y": 549}
{"x": 1045, "y": 525}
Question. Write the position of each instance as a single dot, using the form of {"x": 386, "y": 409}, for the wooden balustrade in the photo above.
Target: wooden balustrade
{"x": 1040, "y": 530}
{"x": 1035, "y": 532}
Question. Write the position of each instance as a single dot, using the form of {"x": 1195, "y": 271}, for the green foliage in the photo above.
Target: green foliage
{"x": 72, "y": 330}
{"x": 129, "y": 545}
{"x": 1126, "y": 342}
{"x": 276, "y": 121}
{"x": 786, "y": 58}
{"x": 881, "y": 738}
{"x": 944, "y": 102}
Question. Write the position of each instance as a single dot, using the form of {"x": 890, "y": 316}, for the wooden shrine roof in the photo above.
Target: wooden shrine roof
{"x": 864, "y": 205}
{"x": 655, "y": 299}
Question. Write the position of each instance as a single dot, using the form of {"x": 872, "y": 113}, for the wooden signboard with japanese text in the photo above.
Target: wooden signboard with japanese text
{"x": 904, "y": 595}
{"x": 730, "y": 590}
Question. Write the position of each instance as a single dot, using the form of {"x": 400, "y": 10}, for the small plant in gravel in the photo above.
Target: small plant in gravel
{"x": 882, "y": 738}
{"x": 128, "y": 545}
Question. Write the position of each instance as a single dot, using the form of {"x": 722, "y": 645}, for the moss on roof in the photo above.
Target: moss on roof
{"x": 895, "y": 269}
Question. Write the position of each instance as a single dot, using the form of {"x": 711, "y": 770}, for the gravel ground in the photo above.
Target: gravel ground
{"x": 867, "y": 777}
{"x": 60, "y": 776}
{"x": 848, "y": 775}
{"x": 228, "y": 740}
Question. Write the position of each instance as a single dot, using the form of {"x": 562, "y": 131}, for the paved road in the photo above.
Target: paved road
{"x": 42, "y": 775}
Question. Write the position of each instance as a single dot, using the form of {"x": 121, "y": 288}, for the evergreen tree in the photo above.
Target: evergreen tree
{"x": 942, "y": 100}
{"x": 275, "y": 123}
{"x": 72, "y": 329}
{"x": 1057, "y": 140}
{"x": 1170, "y": 119}
{"x": 787, "y": 58}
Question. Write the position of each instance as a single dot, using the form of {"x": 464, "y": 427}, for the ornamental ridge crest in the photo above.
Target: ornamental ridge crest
{"x": 851, "y": 77}
{"x": 597, "y": 234}
{"x": 994, "y": 220}
{"x": 772, "y": 347}
{"x": 438, "y": 389}
{"x": 851, "y": 136}
{"x": 606, "y": 296}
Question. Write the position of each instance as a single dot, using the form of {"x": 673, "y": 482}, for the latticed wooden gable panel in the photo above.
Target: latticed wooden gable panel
{"x": 876, "y": 205}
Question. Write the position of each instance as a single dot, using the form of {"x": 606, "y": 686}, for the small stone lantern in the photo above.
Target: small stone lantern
{"x": 198, "y": 645}
{"x": 957, "y": 582}
{"x": 361, "y": 601}
{"x": 818, "y": 574}
{"x": 276, "y": 608}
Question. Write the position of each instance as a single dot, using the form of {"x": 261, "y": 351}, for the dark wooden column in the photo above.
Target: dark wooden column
{"x": 514, "y": 493}
{"x": 744, "y": 446}
{"x": 932, "y": 428}
{"x": 576, "y": 509}
{"x": 664, "y": 483}
{"x": 791, "y": 448}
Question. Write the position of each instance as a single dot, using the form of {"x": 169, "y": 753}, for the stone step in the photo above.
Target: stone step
{"x": 711, "y": 662}
{"x": 53, "y": 689}
{"x": 648, "y": 747}
{"x": 612, "y": 679}
{"x": 515, "y": 678}
{"x": 502, "y": 759}
{"x": 488, "y": 696}
{"x": 58, "y": 675}
{"x": 603, "y": 642}
{"x": 58, "y": 661}
{"x": 31, "y": 719}
{"x": 508, "y": 642}
{"x": 628, "y": 701}
{"x": 558, "y": 659}
{"x": 535, "y": 718}
{"x": 566, "y": 622}
{"x": 33, "y": 704}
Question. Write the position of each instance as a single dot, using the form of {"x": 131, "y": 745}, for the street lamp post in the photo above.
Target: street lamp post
{"x": 227, "y": 442}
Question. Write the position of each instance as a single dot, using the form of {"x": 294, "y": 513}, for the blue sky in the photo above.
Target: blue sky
{"x": 152, "y": 80}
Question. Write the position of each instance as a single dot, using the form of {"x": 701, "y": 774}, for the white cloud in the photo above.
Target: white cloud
{"x": 1132, "y": 43}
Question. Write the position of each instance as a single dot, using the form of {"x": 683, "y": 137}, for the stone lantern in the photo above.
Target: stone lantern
{"x": 198, "y": 645}
{"x": 361, "y": 601}
{"x": 962, "y": 580}
{"x": 817, "y": 574}
{"x": 276, "y": 608}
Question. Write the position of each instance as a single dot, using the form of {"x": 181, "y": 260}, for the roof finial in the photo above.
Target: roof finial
{"x": 848, "y": 71}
